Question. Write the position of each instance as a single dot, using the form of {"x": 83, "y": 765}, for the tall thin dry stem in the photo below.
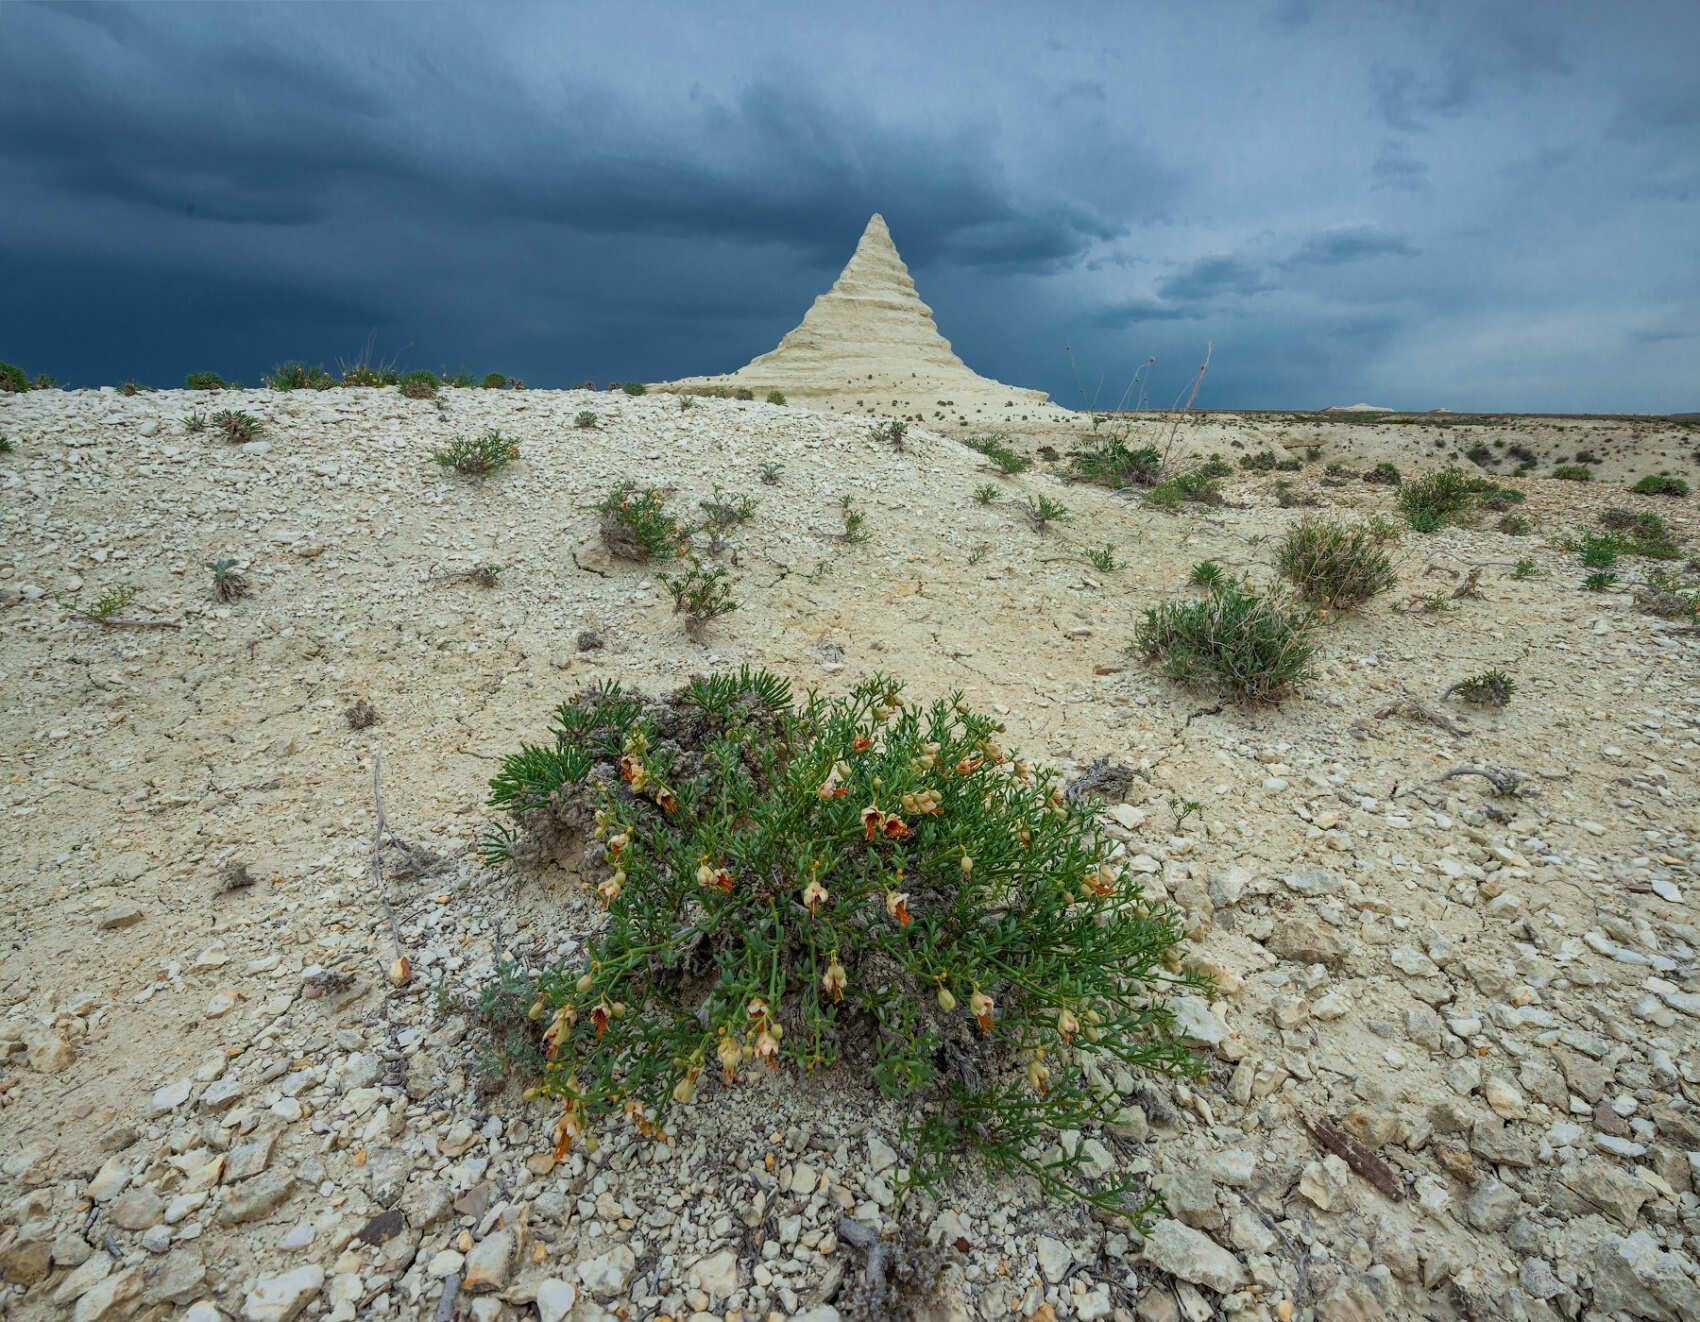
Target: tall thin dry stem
{"x": 1179, "y": 411}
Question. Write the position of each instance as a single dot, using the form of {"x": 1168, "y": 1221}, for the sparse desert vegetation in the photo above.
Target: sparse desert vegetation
{"x": 548, "y": 623}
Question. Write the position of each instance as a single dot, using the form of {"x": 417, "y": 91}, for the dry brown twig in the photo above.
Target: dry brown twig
{"x": 1469, "y": 587}
{"x": 1506, "y": 780}
{"x": 113, "y": 622}
{"x": 875, "y": 1249}
{"x": 1354, "y": 1154}
{"x": 1417, "y": 712}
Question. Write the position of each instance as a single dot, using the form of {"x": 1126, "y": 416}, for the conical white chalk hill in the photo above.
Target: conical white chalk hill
{"x": 870, "y": 332}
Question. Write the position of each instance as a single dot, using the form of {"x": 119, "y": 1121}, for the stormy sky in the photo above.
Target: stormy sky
{"x": 1472, "y": 205}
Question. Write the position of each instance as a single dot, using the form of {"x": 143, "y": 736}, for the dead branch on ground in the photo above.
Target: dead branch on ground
{"x": 1417, "y": 712}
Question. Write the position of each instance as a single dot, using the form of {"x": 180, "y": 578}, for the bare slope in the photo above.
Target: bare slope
{"x": 216, "y": 1081}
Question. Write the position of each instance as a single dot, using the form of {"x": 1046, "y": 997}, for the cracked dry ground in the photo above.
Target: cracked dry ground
{"x": 216, "y": 1105}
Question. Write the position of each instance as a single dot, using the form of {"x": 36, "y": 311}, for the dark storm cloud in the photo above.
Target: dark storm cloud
{"x": 1409, "y": 100}
{"x": 1213, "y": 277}
{"x": 1351, "y": 201}
{"x": 1398, "y": 169}
{"x": 1347, "y": 245}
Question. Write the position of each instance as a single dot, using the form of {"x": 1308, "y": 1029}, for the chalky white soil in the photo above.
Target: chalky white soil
{"x": 209, "y": 1089}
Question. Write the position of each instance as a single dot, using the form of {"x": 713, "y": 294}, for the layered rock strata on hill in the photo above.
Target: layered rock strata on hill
{"x": 869, "y": 333}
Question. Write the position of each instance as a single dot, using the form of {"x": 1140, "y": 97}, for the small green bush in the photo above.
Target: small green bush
{"x": 298, "y": 376}
{"x": 1042, "y": 511}
{"x": 105, "y": 607}
{"x": 1599, "y": 581}
{"x": 1384, "y": 475}
{"x": 776, "y": 397}
{"x": 13, "y": 379}
{"x": 1526, "y": 568}
{"x": 1436, "y": 499}
{"x": 852, "y": 884}
{"x": 1206, "y": 574}
{"x": 238, "y": 427}
{"x": 1644, "y": 534}
{"x": 1215, "y": 466}
{"x": 5, "y": 446}
{"x": 1251, "y": 643}
{"x": 1661, "y": 484}
{"x": 635, "y": 526}
{"x": 1103, "y": 560}
{"x": 478, "y": 457}
{"x": 725, "y": 510}
{"x": 129, "y": 388}
{"x": 985, "y": 494}
{"x": 228, "y": 584}
{"x": 1491, "y": 688}
{"x": 1515, "y": 524}
{"x": 890, "y": 432}
{"x": 1598, "y": 550}
{"x": 203, "y": 381}
{"x": 494, "y": 381}
{"x": 420, "y": 385}
{"x": 701, "y": 596}
{"x": 1498, "y": 498}
{"x": 1333, "y": 563}
{"x": 743, "y": 392}
{"x": 1192, "y": 486}
{"x": 1111, "y": 464}
{"x": 635, "y": 388}
{"x": 364, "y": 374}
{"x": 1668, "y": 597}
{"x": 1005, "y": 460}
{"x": 1572, "y": 473}
{"x": 854, "y": 532}
{"x": 584, "y": 419}
{"x": 1262, "y": 462}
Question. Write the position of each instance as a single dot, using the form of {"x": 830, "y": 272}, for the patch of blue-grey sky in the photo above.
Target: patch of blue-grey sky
{"x": 1442, "y": 204}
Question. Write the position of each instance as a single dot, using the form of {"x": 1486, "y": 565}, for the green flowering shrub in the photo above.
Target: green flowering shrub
{"x": 1253, "y": 644}
{"x": 1661, "y": 484}
{"x": 1437, "y": 499}
{"x": 298, "y": 376}
{"x": 853, "y": 884}
{"x": 1110, "y": 463}
{"x": 238, "y": 427}
{"x": 636, "y": 526}
{"x": 479, "y": 456}
{"x": 1336, "y": 564}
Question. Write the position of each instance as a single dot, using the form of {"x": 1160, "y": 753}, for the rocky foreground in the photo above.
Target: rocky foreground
{"x": 217, "y": 1105}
